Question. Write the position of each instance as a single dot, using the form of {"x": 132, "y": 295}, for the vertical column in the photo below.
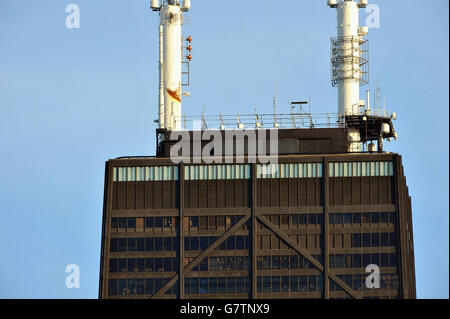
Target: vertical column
{"x": 326, "y": 229}
{"x": 254, "y": 234}
{"x": 181, "y": 227}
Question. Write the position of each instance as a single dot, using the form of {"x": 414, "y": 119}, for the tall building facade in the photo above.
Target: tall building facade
{"x": 308, "y": 229}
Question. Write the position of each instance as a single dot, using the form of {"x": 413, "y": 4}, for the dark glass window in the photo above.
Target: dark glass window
{"x": 113, "y": 265}
{"x": 203, "y": 266}
{"x": 357, "y": 218}
{"x": 267, "y": 284}
{"x": 240, "y": 242}
{"x": 140, "y": 286}
{"x": 131, "y": 244}
{"x": 376, "y": 259}
{"x": 365, "y": 260}
{"x": 356, "y": 240}
{"x": 338, "y": 219}
{"x": 383, "y": 217}
{"x": 149, "y": 286}
{"x": 158, "y": 284}
{"x": 267, "y": 262}
{"x": 365, "y": 218}
{"x": 375, "y": 242}
{"x": 331, "y": 219}
{"x": 141, "y": 244}
{"x": 393, "y": 260}
{"x": 194, "y": 243}
{"x": 203, "y": 286}
{"x": 122, "y": 223}
{"x": 231, "y": 243}
{"x": 168, "y": 264}
{"x": 122, "y": 265}
{"x": 393, "y": 239}
{"x": 132, "y": 287}
{"x": 384, "y": 240}
{"x": 294, "y": 220}
{"x": 293, "y": 283}
{"x": 159, "y": 264}
{"x": 167, "y": 243}
{"x": 187, "y": 285}
{"x": 131, "y": 264}
{"x": 221, "y": 285}
{"x": 240, "y": 285}
{"x": 122, "y": 244}
{"x": 311, "y": 283}
{"x": 167, "y": 222}
{"x": 285, "y": 283}
{"x": 392, "y": 218}
{"x": 112, "y": 287}
{"x": 231, "y": 283}
{"x": 357, "y": 282}
{"x": 339, "y": 261}
{"x": 312, "y": 219}
{"x": 276, "y": 284}
{"x": 347, "y": 219}
{"x": 284, "y": 262}
{"x": 231, "y": 263}
{"x": 114, "y": 223}
{"x": 113, "y": 245}
{"x": 194, "y": 221}
{"x": 213, "y": 285}
{"x": 294, "y": 262}
{"x": 148, "y": 244}
{"x": 131, "y": 222}
{"x": 140, "y": 264}
{"x": 357, "y": 261}
{"x": 158, "y": 241}
{"x": 384, "y": 260}
{"x": 366, "y": 240}
{"x": 158, "y": 222}
{"x": 203, "y": 243}
{"x": 302, "y": 219}
{"x": 374, "y": 218}
{"x": 149, "y": 221}
{"x": 259, "y": 284}
{"x": 302, "y": 283}
{"x": 275, "y": 262}
{"x": 122, "y": 287}
{"x": 187, "y": 243}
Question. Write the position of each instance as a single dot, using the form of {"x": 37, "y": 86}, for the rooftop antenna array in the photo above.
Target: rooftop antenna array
{"x": 171, "y": 60}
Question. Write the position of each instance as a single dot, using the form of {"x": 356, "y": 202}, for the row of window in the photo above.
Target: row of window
{"x": 285, "y": 262}
{"x": 356, "y": 169}
{"x": 295, "y": 220}
{"x": 132, "y": 287}
{"x": 295, "y": 170}
{"x": 215, "y": 172}
{"x": 210, "y": 222}
{"x": 358, "y": 282}
{"x": 148, "y": 173}
{"x": 148, "y": 224}
{"x": 363, "y": 260}
{"x": 143, "y": 244}
{"x": 143, "y": 264}
{"x": 374, "y": 240}
{"x": 221, "y": 263}
{"x": 270, "y": 284}
{"x": 202, "y": 243}
{"x": 364, "y": 218}
{"x": 216, "y": 285}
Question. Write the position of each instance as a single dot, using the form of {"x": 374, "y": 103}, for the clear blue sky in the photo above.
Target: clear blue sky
{"x": 72, "y": 99}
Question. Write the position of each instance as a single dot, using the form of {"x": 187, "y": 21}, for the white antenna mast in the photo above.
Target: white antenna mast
{"x": 349, "y": 65}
